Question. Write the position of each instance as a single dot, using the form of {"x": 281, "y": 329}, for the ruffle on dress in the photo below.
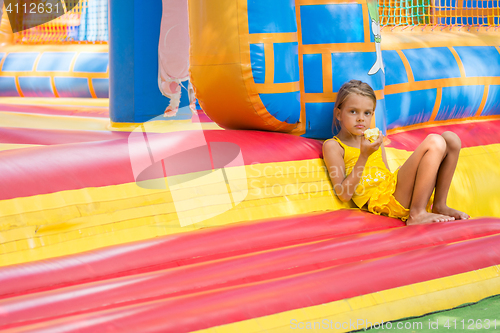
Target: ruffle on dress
{"x": 383, "y": 202}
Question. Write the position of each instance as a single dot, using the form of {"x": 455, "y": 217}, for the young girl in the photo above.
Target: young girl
{"x": 404, "y": 194}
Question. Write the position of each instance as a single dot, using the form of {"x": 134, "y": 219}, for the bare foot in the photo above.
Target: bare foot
{"x": 445, "y": 210}
{"x": 426, "y": 217}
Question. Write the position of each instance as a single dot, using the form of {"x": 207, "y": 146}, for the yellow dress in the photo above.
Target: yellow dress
{"x": 377, "y": 184}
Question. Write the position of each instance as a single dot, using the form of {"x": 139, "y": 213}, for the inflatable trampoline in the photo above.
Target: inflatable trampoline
{"x": 128, "y": 205}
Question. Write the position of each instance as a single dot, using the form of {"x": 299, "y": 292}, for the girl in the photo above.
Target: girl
{"x": 404, "y": 194}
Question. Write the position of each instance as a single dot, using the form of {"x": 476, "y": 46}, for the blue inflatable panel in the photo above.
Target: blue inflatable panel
{"x": 2, "y": 55}
{"x": 479, "y": 60}
{"x": 381, "y": 115}
{"x": 492, "y": 105}
{"x": 55, "y": 61}
{"x": 319, "y": 120}
{"x": 101, "y": 87}
{"x": 432, "y": 63}
{"x": 286, "y": 62}
{"x": 355, "y": 65}
{"x": 8, "y": 87}
{"x": 265, "y": 16}
{"x": 460, "y": 102}
{"x": 372, "y": 37}
{"x": 448, "y": 4}
{"x": 402, "y": 110}
{"x": 285, "y": 106}
{"x": 326, "y": 24}
{"x": 72, "y": 87}
{"x": 21, "y": 61}
{"x": 92, "y": 63}
{"x": 34, "y": 86}
{"x": 257, "y": 58}
{"x": 313, "y": 73}
{"x": 395, "y": 71}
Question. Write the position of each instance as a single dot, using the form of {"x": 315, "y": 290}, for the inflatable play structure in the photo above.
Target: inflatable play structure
{"x": 66, "y": 58}
{"x": 125, "y": 220}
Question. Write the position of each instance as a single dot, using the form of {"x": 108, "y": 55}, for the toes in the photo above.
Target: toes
{"x": 446, "y": 218}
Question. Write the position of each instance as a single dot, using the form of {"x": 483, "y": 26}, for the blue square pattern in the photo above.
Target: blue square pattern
{"x": 479, "y": 60}
{"x": 35, "y": 86}
{"x": 313, "y": 73}
{"x": 355, "y": 65}
{"x": 326, "y": 24}
{"x": 319, "y": 120}
{"x": 8, "y": 87}
{"x": 101, "y": 87}
{"x": 257, "y": 58}
{"x": 380, "y": 116}
{"x": 460, "y": 102}
{"x": 492, "y": 106}
{"x": 447, "y": 4}
{"x": 408, "y": 108}
{"x": 72, "y": 87}
{"x": 395, "y": 71}
{"x": 55, "y": 61}
{"x": 286, "y": 62}
{"x": 92, "y": 62}
{"x": 284, "y": 107}
{"x": 432, "y": 63}
{"x": 265, "y": 16}
{"x": 20, "y": 62}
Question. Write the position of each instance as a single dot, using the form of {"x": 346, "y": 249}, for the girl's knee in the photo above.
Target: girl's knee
{"x": 436, "y": 142}
{"x": 452, "y": 140}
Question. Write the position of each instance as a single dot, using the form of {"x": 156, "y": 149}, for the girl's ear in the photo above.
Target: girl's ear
{"x": 337, "y": 113}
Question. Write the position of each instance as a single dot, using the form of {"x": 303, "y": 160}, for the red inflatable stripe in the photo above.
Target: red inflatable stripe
{"x": 33, "y": 136}
{"x": 241, "y": 270}
{"x": 227, "y": 305}
{"x": 58, "y": 110}
{"x": 184, "y": 249}
{"x": 471, "y": 134}
{"x": 42, "y": 170}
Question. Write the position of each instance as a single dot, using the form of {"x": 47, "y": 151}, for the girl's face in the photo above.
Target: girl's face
{"x": 355, "y": 114}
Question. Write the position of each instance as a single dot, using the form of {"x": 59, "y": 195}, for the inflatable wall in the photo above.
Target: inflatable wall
{"x": 58, "y": 58}
{"x": 282, "y": 71}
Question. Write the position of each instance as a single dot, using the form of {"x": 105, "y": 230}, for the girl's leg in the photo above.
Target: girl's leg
{"x": 417, "y": 178}
{"x": 445, "y": 175}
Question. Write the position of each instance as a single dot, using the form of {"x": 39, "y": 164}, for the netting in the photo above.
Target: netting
{"x": 481, "y": 13}
{"x": 87, "y": 22}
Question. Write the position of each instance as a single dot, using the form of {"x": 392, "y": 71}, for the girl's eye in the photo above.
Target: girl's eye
{"x": 368, "y": 113}
{"x": 352, "y": 111}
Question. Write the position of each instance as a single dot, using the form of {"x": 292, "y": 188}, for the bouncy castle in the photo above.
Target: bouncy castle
{"x": 161, "y": 166}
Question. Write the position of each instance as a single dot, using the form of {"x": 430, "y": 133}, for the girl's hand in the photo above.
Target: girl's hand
{"x": 367, "y": 148}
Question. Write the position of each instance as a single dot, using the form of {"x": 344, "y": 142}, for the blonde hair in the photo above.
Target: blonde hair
{"x": 348, "y": 88}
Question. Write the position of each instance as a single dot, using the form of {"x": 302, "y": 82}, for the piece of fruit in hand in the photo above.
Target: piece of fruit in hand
{"x": 371, "y": 134}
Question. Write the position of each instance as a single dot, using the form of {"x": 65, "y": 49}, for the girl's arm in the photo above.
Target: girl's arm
{"x": 384, "y": 157}
{"x": 343, "y": 186}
